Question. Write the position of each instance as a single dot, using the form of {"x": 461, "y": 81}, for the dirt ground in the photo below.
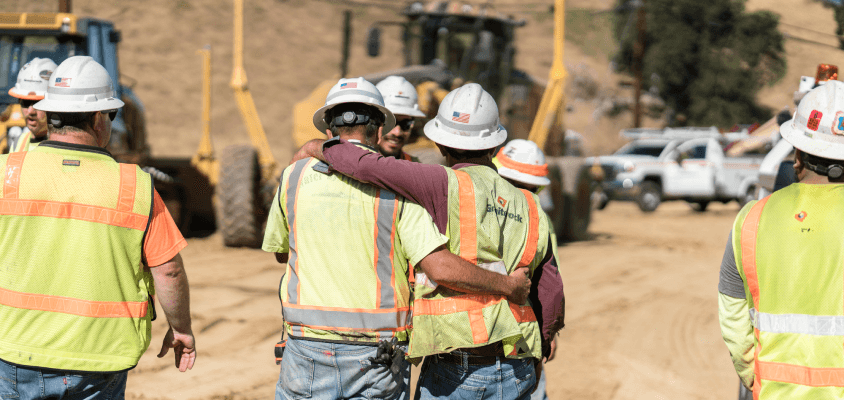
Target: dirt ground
{"x": 641, "y": 317}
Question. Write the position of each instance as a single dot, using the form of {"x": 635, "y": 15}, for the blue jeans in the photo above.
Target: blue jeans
{"x": 506, "y": 379}
{"x": 32, "y": 383}
{"x": 320, "y": 370}
{"x": 540, "y": 394}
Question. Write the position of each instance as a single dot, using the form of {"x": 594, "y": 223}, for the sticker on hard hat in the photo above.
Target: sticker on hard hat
{"x": 460, "y": 117}
{"x": 838, "y": 124}
{"x": 45, "y": 74}
{"x": 814, "y": 120}
{"x": 62, "y": 82}
{"x": 348, "y": 85}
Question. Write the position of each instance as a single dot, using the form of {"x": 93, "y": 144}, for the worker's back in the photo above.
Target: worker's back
{"x": 495, "y": 225}
{"x": 788, "y": 250}
{"x": 348, "y": 265}
{"x": 73, "y": 289}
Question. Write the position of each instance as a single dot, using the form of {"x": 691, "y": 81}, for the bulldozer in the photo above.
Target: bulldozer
{"x": 447, "y": 44}
{"x": 23, "y": 36}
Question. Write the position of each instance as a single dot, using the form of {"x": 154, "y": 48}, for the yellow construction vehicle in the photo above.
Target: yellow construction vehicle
{"x": 447, "y": 44}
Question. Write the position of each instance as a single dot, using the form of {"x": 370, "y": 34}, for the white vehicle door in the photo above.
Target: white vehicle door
{"x": 690, "y": 174}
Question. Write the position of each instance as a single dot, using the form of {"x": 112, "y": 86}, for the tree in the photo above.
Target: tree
{"x": 711, "y": 57}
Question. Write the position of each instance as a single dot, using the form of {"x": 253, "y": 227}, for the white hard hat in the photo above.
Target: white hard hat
{"x": 79, "y": 84}
{"x": 817, "y": 127}
{"x": 522, "y": 161}
{"x": 467, "y": 120}
{"x": 400, "y": 96}
{"x": 32, "y": 79}
{"x": 354, "y": 90}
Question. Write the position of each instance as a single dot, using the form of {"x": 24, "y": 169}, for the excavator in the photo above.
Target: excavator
{"x": 447, "y": 44}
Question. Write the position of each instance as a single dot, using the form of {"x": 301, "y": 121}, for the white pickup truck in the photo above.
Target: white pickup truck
{"x": 694, "y": 170}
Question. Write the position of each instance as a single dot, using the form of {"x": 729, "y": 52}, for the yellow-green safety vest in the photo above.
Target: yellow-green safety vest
{"x": 489, "y": 221}
{"x": 74, "y": 294}
{"x": 788, "y": 251}
{"x": 24, "y": 142}
{"x": 360, "y": 292}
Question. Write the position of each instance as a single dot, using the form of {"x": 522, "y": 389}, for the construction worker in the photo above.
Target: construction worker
{"x": 494, "y": 346}
{"x": 29, "y": 89}
{"x": 84, "y": 244}
{"x": 522, "y": 163}
{"x": 345, "y": 294}
{"x": 780, "y": 289}
{"x": 401, "y": 99}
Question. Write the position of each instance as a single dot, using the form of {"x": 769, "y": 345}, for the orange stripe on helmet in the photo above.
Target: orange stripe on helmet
{"x": 533, "y": 230}
{"x": 67, "y": 305}
{"x": 530, "y": 169}
{"x": 468, "y": 222}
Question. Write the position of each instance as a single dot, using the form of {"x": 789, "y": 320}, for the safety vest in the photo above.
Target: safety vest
{"x": 486, "y": 215}
{"x": 74, "y": 294}
{"x": 788, "y": 251}
{"x": 24, "y": 142}
{"x": 408, "y": 157}
{"x": 346, "y": 279}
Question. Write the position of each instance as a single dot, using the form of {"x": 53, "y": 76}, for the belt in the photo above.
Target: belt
{"x": 484, "y": 355}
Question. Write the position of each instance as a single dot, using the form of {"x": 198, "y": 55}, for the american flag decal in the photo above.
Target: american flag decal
{"x": 62, "y": 82}
{"x": 348, "y": 85}
{"x": 460, "y": 117}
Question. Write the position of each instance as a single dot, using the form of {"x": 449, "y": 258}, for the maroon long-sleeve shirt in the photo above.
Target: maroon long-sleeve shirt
{"x": 427, "y": 185}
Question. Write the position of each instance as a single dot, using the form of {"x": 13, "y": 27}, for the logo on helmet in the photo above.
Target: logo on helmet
{"x": 45, "y": 74}
{"x": 838, "y": 124}
{"x": 62, "y": 82}
{"x": 814, "y": 120}
{"x": 348, "y": 85}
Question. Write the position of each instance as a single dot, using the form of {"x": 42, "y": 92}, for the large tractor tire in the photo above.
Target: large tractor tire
{"x": 239, "y": 199}
{"x": 571, "y": 190}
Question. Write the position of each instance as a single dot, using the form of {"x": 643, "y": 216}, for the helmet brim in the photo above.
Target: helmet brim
{"x": 319, "y": 116}
{"x": 27, "y": 96}
{"x": 455, "y": 141}
{"x": 78, "y": 106}
{"x": 816, "y": 146}
{"x": 410, "y": 112}
{"x": 523, "y": 177}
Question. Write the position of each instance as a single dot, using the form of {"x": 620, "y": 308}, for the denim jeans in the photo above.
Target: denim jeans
{"x": 320, "y": 370}
{"x": 506, "y": 379}
{"x": 540, "y": 394}
{"x": 32, "y": 383}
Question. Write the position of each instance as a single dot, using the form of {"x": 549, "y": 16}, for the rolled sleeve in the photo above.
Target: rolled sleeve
{"x": 417, "y": 233}
{"x": 276, "y": 235}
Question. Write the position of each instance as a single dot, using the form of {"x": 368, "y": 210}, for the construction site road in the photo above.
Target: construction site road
{"x": 641, "y": 315}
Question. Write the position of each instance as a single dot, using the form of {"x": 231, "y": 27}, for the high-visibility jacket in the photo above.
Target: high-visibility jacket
{"x": 789, "y": 254}
{"x": 74, "y": 294}
{"x": 24, "y": 142}
{"x": 347, "y": 275}
{"x": 489, "y": 221}
{"x": 408, "y": 157}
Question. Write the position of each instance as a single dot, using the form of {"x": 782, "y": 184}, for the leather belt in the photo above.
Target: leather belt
{"x": 484, "y": 355}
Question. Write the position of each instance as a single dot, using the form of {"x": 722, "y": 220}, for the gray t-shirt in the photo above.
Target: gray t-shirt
{"x": 730, "y": 282}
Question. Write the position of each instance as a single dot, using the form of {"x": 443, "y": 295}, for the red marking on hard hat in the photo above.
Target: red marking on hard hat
{"x": 800, "y": 216}
{"x": 814, "y": 120}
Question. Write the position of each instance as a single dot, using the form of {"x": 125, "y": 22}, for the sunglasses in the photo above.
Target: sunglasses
{"x": 405, "y": 125}
{"x": 112, "y": 114}
{"x": 27, "y": 103}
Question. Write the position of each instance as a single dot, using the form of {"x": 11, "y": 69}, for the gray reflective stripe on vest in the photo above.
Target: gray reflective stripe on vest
{"x": 825, "y": 325}
{"x": 347, "y": 319}
{"x": 383, "y": 242}
{"x": 292, "y": 185}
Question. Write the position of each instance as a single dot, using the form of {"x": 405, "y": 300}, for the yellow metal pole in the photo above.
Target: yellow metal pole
{"x": 204, "y": 159}
{"x": 246, "y": 105}
{"x": 553, "y": 99}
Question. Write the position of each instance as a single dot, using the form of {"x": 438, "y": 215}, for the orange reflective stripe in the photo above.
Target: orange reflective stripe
{"x": 749, "y": 230}
{"x": 12, "y": 175}
{"x": 476, "y": 322}
{"x": 82, "y": 212}
{"x": 533, "y": 230}
{"x": 66, "y": 305}
{"x": 788, "y": 373}
{"x": 469, "y": 302}
{"x": 468, "y": 223}
{"x": 406, "y": 156}
{"x": 126, "y": 199}
{"x": 530, "y": 169}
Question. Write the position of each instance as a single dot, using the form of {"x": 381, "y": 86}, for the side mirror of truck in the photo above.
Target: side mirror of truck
{"x": 373, "y": 41}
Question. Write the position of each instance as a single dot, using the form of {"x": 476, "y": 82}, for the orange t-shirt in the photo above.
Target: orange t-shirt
{"x": 163, "y": 240}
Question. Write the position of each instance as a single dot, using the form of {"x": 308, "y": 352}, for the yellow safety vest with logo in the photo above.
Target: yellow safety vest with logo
{"x": 489, "y": 221}
{"x": 24, "y": 142}
{"x": 74, "y": 294}
{"x": 788, "y": 252}
{"x": 362, "y": 293}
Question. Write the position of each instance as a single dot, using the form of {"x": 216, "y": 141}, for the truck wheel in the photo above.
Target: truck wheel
{"x": 599, "y": 198}
{"x": 650, "y": 195}
{"x": 238, "y": 193}
{"x": 699, "y": 206}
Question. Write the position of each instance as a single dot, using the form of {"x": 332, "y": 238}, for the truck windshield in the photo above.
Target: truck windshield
{"x": 15, "y": 51}
{"x": 652, "y": 150}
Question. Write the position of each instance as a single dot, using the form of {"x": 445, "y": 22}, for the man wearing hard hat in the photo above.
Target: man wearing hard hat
{"x": 85, "y": 242}
{"x": 350, "y": 250}
{"x": 29, "y": 89}
{"x": 781, "y": 289}
{"x": 522, "y": 163}
{"x": 471, "y": 339}
{"x": 401, "y": 99}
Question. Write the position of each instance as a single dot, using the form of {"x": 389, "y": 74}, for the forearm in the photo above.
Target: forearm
{"x": 737, "y": 331}
{"x": 458, "y": 274}
{"x": 171, "y": 286}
